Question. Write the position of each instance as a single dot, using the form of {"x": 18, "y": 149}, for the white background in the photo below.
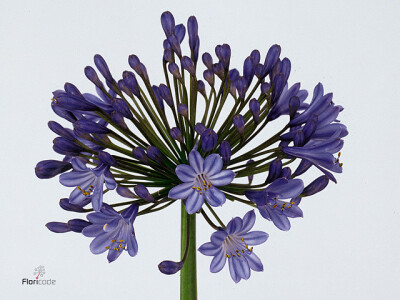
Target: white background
{"x": 347, "y": 244}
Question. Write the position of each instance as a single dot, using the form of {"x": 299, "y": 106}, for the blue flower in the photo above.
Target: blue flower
{"x": 112, "y": 231}
{"x": 233, "y": 244}
{"x": 200, "y": 179}
{"x": 272, "y": 208}
{"x": 88, "y": 182}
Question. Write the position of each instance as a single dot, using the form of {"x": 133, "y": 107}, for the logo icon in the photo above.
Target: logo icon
{"x": 39, "y": 271}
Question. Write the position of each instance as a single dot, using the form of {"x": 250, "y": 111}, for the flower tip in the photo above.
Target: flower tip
{"x": 170, "y": 267}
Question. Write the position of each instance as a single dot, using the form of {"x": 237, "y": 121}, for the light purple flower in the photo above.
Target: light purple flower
{"x": 233, "y": 244}
{"x": 200, "y": 179}
{"x": 112, "y": 231}
{"x": 88, "y": 182}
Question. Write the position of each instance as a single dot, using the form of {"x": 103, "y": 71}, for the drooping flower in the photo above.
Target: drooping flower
{"x": 233, "y": 244}
{"x": 200, "y": 180}
{"x": 112, "y": 231}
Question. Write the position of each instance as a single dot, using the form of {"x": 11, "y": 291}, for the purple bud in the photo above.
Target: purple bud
{"x": 254, "y": 107}
{"x": 125, "y": 192}
{"x": 168, "y": 56}
{"x": 166, "y": 45}
{"x": 255, "y": 54}
{"x": 176, "y": 134}
{"x": 73, "y": 100}
{"x": 250, "y": 177}
{"x": 207, "y": 60}
{"x": 196, "y": 50}
{"x": 175, "y": 45}
{"x": 168, "y": 23}
{"x": 160, "y": 100}
{"x": 77, "y": 225}
{"x": 299, "y": 139}
{"x": 271, "y": 59}
{"x": 275, "y": 70}
{"x": 46, "y": 169}
{"x": 62, "y": 112}
{"x": 258, "y": 71}
{"x": 131, "y": 82}
{"x": 155, "y": 154}
{"x": 122, "y": 107}
{"x": 238, "y": 122}
{"x": 265, "y": 87}
{"x": 303, "y": 166}
{"x": 183, "y": 110}
{"x": 294, "y": 104}
{"x": 277, "y": 87}
{"x": 286, "y": 173}
{"x": 192, "y": 31}
{"x": 143, "y": 193}
{"x": 241, "y": 86}
{"x": 285, "y": 69}
{"x": 180, "y": 31}
{"x": 316, "y": 186}
{"x": 88, "y": 126}
{"x": 166, "y": 94}
{"x": 134, "y": 62}
{"x": 107, "y": 159}
{"x": 61, "y": 131}
{"x": 275, "y": 170}
{"x": 66, "y": 205}
{"x": 174, "y": 70}
{"x": 102, "y": 67}
{"x": 200, "y": 128}
{"x": 208, "y": 140}
{"x": 170, "y": 267}
{"x": 188, "y": 65}
{"x": 249, "y": 68}
{"x": 58, "y": 227}
{"x": 140, "y": 154}
{"x": 118, "y": 119}
{"x": 92, "y": 76}
{"x": 209, "y": 77}
{"x": 310, "y": 127}
{"x": 64, "y": 146}
{"x": 143, "y": 72}
{"x": 225, "y": 151}
{"x": 218, "y": 69}
{"x": 201, "y": 88}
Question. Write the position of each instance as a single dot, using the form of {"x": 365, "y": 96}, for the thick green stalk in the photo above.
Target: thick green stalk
{"x": 188, "y": 272}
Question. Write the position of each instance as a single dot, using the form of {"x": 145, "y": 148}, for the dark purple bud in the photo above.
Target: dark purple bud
{"x": 92, "y": 76}
{"x": 200, "y": 128}
{"x": 310, "y": 127}
{"x": 143, "y": 193}
{"x": 176, "y": 134}
{"x": 183, "y": 110}
{"x": 64, "y": 146}
{"x": 201, "y": 88}
{"x": 304, "y": 165}
{"x": 225, "y": 151}
{"x": 299, "y": 139}
{"x": 285, "y": 68}
{"x": 265, "y": 87}
{"x": 316, "y": 186}
{"x": 255, "y": 54}
{"x": 102, "y": 67}
{"x": 77, "y": 225}
{"x": 234, "y": 76}
{"x": 46, "y": 169}
{"x": 170, "y": 267}
{"x": 118, "y": 119}
{"x": 131, "y": 82}
{"x": 122, "y": 86}
{"x": 168, "y": 56}
{"x": 175, "y": 45}
{"x": 209, "y": 77}
{"x": 88, "y": 126}
{"x": 72, "y": 90}
{"x": 275, "y": 70}
{"x": 258, "y": 71}
{"x": 238, "y": 122}
{"x": 166, "y": 45}
{"x": 271, "y": 59}
{"x": 207, "y": 60}
{"x": 134, "y": 62}
{"x": 66, "y": 205}
{"x": 196, "y": 50}
{"x": 160, "y": 100}
{"x": 140, "y": 154}
{"x": 192, "y": 32}
{"x": 61, "y": 131}
{"x": 286, "y": 173}
{"x": 241, "y": 86}
{"x": 125, "y": 192}
{"x": 73, "y": 101}
{"x": 174, "y": 70}
{"x": 180, "y": 31}
{"x": 122, "y": 107}
{"x": 254, "y": 107}
{"x": 294, "y": 104}
{"x": 188, "y": 65}
{"x": 58, "y": 227}
{"x": 249, "y": 68}
{"x": 155, "y": 154}
{"x": 62, "y": 112}
{"x": 166, "y": 94}
{"x": 143, "y": 72}
{"x": 250, "y": 177}
{"x": 275, "y": 170}
{"x": 277, "y": 87}
{"x": 208, "y": 140}
{"x": 225, "y": 55}
{"x": 107, "y": 159}
{"x": 168, "y": 23}
{"x": 218, "y": 69}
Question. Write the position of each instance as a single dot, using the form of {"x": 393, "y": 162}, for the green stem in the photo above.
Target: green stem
{"x": 188, "y": 272}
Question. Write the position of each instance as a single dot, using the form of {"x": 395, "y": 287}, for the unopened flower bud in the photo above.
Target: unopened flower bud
{"x": 208, "y": 140}
{"x": 174, "y": 70}
{"x": 102, "y": 67}
{"x": 155, "y": 154}
{"x": 140, "y": 154}
{"x": 176, "y": 134}
{"x": 238, "y": 122}
{"x": 199, "y": 128}
{"x": 170, "y": 267}
{"x": 107, "y": 159}
{"x": 49, "y": 168}
{"x": 254, "y": 107}
{"x": 183, "y": 110}
{"x": 275, "y": 170}
{"x": 92, "y": 76}
{"x": 143, "y": 193}
{"x": 225, "y": 151}
{"x": 316, "y": 186}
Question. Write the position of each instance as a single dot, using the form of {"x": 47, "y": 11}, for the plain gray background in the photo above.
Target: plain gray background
{"x": 347, "y": 244}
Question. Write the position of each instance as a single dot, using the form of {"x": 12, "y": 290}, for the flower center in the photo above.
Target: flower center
{"x": 236, "y": 246}
{"x": 86, "y": 193}
{"x": 202, "y": 183}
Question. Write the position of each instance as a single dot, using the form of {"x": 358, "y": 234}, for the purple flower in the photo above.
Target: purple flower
{"x": 112, "y": 231}
{"x": 88, "y": 182}
{"x": 272, "y": 208}
{"x": 200, "y": 180}
{"x": 233, "y": 244}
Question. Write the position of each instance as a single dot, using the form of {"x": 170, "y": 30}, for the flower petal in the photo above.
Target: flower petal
{"x": 254, "y": 262}
{"x": 222, "y": 178}
{"x": 113, "y": 255}
{"x": 196, "y": 161}
{"x": 99, "y": 244}
{"x": 181, "y": 191}
{"x": 185, "y": 173}
{"x": 132, "y": 245}
{"x": 255, "y": 237}
{"x": 215, "y": 197}
{"x": 194, "y": 203}
{"x": 280, "y": 220}
{"x": 212, "y": 164}
{"x": 218, "y": 237}
{"x": 248, "y": 222}
{"x": 286, "y": 188}
{"x": 241, "y": 267}
{"x": 75, "y": 178}
{"x": 92, "y": 230}
{"x": 232, "y": 270}
{"x": 218, "y": 262}
{"x": 209, "y": 249}
{"x": 234, "y": 225}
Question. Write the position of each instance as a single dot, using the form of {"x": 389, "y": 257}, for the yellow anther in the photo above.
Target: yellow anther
{"x": 120, "y": 245}
{"x": 227, "y": 255}
{"x": 341, "y": 164}
{"x": 233, "y": 255}
{"x": 79, "y": 188}
{"x": 242, "y": 239}
{"x": 275, "y": 205}
{"x": 209, "y": 184}
{"x": 107, "y": 247}
{"x": 292, "y": 202}
{"x": 104, "y": 227}
{"x": 242, "y": 251}
{"x": 195, "y": 188}
{"x": 237, "y": 251}
{"x": 121, "y": 241}
{"x": 251, "y": 249}
{"x": 200, "y": 193}
{"x": 340, "y": 153}
{"x": 112, "y": 241}
{"x": 283, "y": 205}
{"x": 282, "y": 209}
{"x": 204, "y": 183}
{"x": 238, "y": 254}
{"x": 247, "y": 246}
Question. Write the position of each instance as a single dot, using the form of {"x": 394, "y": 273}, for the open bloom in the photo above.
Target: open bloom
{"x": 113, "y": 231}
{"x": 272, "y": 208}
{"x": 200, "y": 179}
{"x": 233, "y": 244}
{"x": 88, "y": 182}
